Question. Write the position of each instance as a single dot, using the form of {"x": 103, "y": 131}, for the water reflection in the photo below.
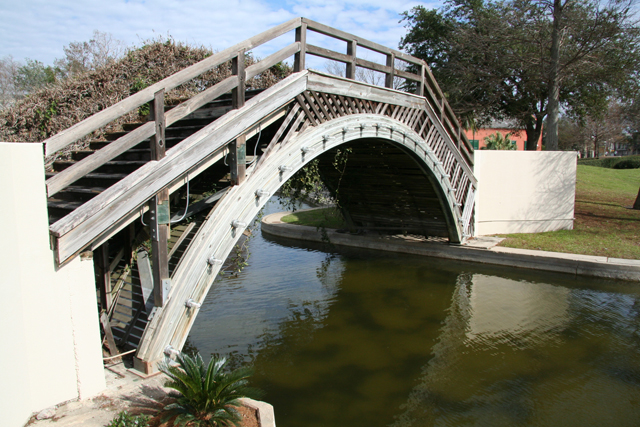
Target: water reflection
{"x": 343, "y": 338}
{"x": 531, "y": 354}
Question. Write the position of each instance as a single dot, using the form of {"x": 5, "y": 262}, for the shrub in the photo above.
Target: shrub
{"x": 607, "y": 162}
{"x": 627, "y": 164}
{"x": 207, "y": 395}
{"x": 125, "y": 419}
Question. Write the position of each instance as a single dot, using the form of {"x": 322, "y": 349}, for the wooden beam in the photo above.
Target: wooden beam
{"x": 159, "y": 208}
{"x": 106, "y": 326}
{"x": 344, "y": 36}
{"x": 103, "y": 276}
{"x": 238, "y": 148}
{"x": 328, "y": 54}
{"x": 391, "y": 63}
{"x": 301, "y": 37}
{"x": 351, "y": 65}
{"x": 272, "y": 60}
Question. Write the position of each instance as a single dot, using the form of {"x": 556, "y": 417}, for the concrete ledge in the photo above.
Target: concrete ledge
{"x": 476, "y": 251}
{"x": 265, "y": 411}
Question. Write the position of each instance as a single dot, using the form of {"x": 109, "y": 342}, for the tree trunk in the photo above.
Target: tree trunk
{"x": 533, "y": 127}
{"x": 636, "y": 205}
{"x": 553, "y": 106}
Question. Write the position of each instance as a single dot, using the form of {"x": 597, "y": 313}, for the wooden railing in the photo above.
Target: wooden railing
{"x": 423, "y": 80}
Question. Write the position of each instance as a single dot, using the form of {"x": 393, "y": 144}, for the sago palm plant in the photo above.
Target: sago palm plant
{"x": 207, "y": 395}
{"x": 497, "y": 141}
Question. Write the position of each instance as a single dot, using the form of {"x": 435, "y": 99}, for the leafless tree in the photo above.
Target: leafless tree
{"x": 80, "y": 57}
{"x": 8, "y": 72}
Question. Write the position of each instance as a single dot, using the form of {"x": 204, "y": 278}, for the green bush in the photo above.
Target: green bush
{"x": 627, "y": 164}
{"x": 607, "y": 162}
{"x": 125, "y": 419}
{"x": 207, "y": 395}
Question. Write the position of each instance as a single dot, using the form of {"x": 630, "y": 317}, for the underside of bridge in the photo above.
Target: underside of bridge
{"x": 383, "y": 188}
{"x": 163, "y": 202}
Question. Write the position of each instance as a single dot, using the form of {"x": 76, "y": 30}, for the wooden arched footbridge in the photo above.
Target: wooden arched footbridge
{"x": 410, "y": 168}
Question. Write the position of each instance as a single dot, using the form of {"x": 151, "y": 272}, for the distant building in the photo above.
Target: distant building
{"x": 517, "y": 135}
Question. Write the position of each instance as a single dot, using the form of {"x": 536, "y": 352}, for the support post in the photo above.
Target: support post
{"x": 351, "y": 66}
{"x": 103, "y": 275}
{"x": 421, "y": 83}
{"x": 159, "y": 209}
{"x": 238, "y": 148}
{"x": 391, "y": 62}
{"x": 299, "y": 58}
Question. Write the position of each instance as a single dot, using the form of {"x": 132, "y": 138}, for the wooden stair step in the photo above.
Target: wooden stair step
{"x": 114, "y": 166}
{"x": 79, "y": 193}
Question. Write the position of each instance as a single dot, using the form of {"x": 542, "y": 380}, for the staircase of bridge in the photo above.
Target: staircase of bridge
{"x": 215, "y": 158}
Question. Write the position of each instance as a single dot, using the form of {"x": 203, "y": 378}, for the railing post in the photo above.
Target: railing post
{"x": 238, "y": 148}
{"x": 299, "y": 62}
{"x": 159, "y": 209}
{"x": 351, "y": 66}
{"x": 421, "y": 83}
{"x": 391, "y": 62}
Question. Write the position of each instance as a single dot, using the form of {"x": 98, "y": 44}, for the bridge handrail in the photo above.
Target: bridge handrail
{"x": 299, "y": 48}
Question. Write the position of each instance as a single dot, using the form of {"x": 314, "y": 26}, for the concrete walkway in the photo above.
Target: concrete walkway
{"x": 482, "y": 249}
{"x": 124, "y": 390}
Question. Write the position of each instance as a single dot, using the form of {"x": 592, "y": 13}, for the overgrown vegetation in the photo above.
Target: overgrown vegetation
{"x": 207, "y": 395}
{"x": 604, "y": 225}
{"x": 83, "y": 92}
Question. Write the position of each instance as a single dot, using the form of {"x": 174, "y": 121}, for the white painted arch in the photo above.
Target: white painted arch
{"x": 216, "y": 238}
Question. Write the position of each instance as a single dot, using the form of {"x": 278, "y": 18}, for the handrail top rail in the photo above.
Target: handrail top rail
{"x": 102, "y": 118}
{"x": 344, "y": 36}
{"x": 96, "y": 121}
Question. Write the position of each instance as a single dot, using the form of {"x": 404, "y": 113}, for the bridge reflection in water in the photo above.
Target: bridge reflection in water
{"x": 363, "y": 339}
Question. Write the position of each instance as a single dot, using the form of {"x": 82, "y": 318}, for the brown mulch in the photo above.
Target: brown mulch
{"x": 249, "y": 416}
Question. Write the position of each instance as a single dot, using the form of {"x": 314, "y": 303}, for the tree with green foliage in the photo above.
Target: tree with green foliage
{"x": 34, "y": 75}
{"x": 499, "y": 58}
{"x": 207, "y": 394}
{"x": 497, "y": 141}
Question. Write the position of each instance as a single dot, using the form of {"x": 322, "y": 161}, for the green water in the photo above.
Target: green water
{"x": 344, "y": 338}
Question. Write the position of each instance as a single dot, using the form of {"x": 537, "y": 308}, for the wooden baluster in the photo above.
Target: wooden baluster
{"x": 299, "y": 58}
{"x": 351, "y": 66}
{"x": 159, "y": 209}
{"x": 391, "y": 62}
{"x": 238, "y": 148}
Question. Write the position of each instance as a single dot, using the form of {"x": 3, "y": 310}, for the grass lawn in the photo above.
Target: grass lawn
{"x": 603, "y": 225}
{"x": 328, "y": 218}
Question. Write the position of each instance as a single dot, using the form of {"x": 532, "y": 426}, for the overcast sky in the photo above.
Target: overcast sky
{"x": 38, "y": 29}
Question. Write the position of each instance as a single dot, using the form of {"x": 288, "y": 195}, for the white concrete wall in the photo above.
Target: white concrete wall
{"x": 524, "y": 191}
{"x": 50, "y": 349}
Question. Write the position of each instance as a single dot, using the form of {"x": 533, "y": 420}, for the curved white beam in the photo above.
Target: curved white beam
{"x": 219, "y": 234}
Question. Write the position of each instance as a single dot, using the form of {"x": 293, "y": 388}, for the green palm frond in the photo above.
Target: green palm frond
{"x": 207, "y": 393}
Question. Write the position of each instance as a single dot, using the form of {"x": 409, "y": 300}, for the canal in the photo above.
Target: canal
{"x": 354, "y": 338}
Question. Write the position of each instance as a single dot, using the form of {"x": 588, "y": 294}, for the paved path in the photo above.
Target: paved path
{"x": 482, "y": 249}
